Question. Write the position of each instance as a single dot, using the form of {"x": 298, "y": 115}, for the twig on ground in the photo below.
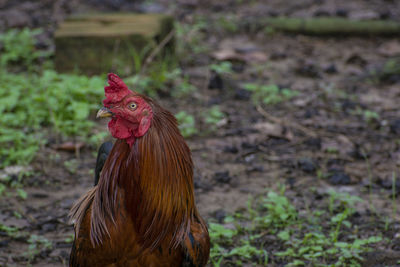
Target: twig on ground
{"x": 157, "y": 50}
{"x": 286, "y": 122}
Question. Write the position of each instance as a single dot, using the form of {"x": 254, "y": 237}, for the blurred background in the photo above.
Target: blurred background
{"x": 290, "y": 109}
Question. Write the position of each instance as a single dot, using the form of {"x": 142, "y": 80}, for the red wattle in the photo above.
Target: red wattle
{"x": 118, "y": 129}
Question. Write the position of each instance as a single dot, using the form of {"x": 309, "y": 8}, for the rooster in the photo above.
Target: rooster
{"x": 142, "y": 212}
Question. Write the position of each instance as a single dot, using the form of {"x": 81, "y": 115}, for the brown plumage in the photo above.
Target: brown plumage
{"x": 142, "y": 212}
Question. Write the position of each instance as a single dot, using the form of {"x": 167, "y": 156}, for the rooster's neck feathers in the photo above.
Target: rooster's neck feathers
{"x": 156, "y": 174}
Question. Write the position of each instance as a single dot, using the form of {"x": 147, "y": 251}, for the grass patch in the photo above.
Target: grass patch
{"x": 269, "y": 94}
{"x": 37, "y": 104}
{"x": 186, "y": 124}
{"x": 30, "y": 103}
{"x": 19, "y": 48}
{"x": 273, "y": 231}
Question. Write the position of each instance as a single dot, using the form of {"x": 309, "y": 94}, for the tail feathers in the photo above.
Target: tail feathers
{"x": 80, "y": 208}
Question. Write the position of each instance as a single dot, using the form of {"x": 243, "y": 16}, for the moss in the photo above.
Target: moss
{"x": 333, "y": 26}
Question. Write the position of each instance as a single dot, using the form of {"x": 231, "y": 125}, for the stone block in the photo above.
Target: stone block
{"x": 101, "y": 43}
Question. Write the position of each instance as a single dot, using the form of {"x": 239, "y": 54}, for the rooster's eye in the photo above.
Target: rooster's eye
{"x": 132, "y": 105}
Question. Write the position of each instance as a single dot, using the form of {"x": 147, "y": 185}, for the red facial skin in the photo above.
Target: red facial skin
{"x": 132, "y": 115}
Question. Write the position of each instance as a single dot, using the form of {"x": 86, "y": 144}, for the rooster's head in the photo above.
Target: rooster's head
{"x": 130, "y": 113}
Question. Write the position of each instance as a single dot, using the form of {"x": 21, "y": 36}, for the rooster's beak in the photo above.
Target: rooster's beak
{"x": 104, "y": 113}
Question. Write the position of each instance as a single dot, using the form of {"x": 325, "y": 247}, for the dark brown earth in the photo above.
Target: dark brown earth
{"x": 323, "y": 138}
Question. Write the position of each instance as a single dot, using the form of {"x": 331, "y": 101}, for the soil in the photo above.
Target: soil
{"x": 341, "y": 131}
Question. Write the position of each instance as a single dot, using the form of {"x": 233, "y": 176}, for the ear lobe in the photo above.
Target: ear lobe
{"x": 144, "y": 124}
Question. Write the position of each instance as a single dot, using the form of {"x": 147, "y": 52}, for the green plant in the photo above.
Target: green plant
{"x": 368, "y": 115}
{"x": 70, "y": 238}
{"x": 268, "y": 94}
{"x": 22, "y": 193}
{"x": 186, "y": 124}
{"x": 228, "y": 23}
{"x": 37, "y": 244}
{"x": 2, "y": 188}
{"x": 305, "y": 238}
{"x": 249, "y": 252}
{"x": 9, "y": 230}
{"x": 71, "y": 165}
{"x": 213, "y": 117}
{"x": 390, "y": 68}
{"x": 191, "y": 37}
{"x": 224, "y": 67}
{"x": 278, "y": 211}
{"x": 19, "y": 47}
{"x": 32, "y": 105}
{"x": 371, "y": 115}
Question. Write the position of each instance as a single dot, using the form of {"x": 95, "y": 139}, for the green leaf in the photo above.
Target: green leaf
{"x": 284, "y": 235}
{"x": 21, "y": 193}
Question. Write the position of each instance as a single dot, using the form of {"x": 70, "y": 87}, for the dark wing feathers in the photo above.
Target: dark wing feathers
{"x": 102, "y": 155}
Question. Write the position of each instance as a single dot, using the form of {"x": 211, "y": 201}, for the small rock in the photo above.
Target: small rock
{"x": 39, "y": 195}
{"x": 385, "y": 14}
{"x": 247, "y": 48}
{"x": 348, "y": 105}
{"x": 231, "y": 149}
{"x": 308, "y": 69}
{"x": 67, "y": 203}
{"x": 257, "y": 168}
{"x": 222, "y": 177}
{"x": 356, "y": 59}
{"x": 322, "y": 13}
{"x": 358, "y": 153}
{"x": 201, "y": 185}
{"x": 291, "y": 181}
{"x": 250, "y": 146}
{"x": 307, "y": 165}
{"x": 214, "y": 101}
{"x": 331, "y": 69}
{"x": 278, "y": 55}
{"x": 395, "y": 126}
{"x": 48, "y": 227}
{"x": 216, "y": 81}
{"x": 238, "y": 67}
{"x": 339, "y": 178}
{"x": 313, "y": 142}
{"x": 387, "y": 183}
{"x": 64, "y": 254}
{"x": 249, "y": 158}
{"x": 340, "y": 12}
{"x": 220, "y": 215}
{"x": 242, "y": 94}
{"x": 310, "y": 112}
{"x": 4, "y": 243}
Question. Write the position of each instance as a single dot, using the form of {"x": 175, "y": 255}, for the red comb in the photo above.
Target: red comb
{"x": 116, "y": 90}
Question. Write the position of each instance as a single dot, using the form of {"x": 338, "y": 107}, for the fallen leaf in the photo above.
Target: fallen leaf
{"x": 375, "y": 98}
{"x": 240, "y": 49}
{"x": 255, "y": 56}
{"x": 227, "y": 54}
{"x": 390, "y": 48}
{"x": 273, "y": 130}
{"x": 69, "y": 146}
{"x": 341, "y": 144}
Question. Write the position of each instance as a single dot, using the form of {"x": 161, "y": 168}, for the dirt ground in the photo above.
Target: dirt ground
{"x": 341, "y": 131}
